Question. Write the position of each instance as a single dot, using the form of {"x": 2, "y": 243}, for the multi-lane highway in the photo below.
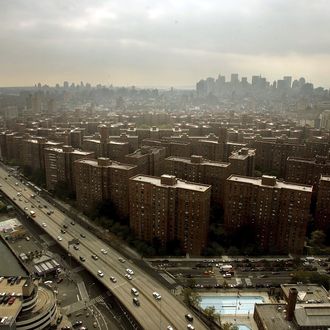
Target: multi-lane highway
{"x": 152, "y": 313}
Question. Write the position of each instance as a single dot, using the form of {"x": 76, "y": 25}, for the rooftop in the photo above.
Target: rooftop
{"x": 313, "y": 316}
{"x": 113, "y": 164}
{"x": 273, "y": 316}
{"x": 178, "y": 183}
{"x": 277, "y": 185}
{"x": 307, "y": 293}
{"x": 203, "y": 162}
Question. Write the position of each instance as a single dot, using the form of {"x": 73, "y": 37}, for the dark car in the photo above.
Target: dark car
{"x": 82, "y": 258}
{"x": 83, "y": 235}
{"x": 65, "y": 226}
{"x": 189, "y": 317}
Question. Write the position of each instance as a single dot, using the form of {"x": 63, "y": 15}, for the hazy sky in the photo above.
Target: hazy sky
{"x": 162, "y": 42}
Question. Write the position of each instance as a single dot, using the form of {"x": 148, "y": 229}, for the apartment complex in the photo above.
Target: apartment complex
{"x": 103, "y": 180}
{"x": 59, "y": 166}
{"x": 277, "y": 210}
{"x": 168, "y": 209}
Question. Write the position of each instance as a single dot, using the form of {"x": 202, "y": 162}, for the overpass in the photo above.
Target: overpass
{"x": 151, "y": 314}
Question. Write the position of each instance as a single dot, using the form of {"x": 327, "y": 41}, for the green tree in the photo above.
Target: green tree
{"x": 318, "y": 238}
{"x": 191, "y": 297}
{"x": 229, "y": 326}
{"x": 211, "y": 313}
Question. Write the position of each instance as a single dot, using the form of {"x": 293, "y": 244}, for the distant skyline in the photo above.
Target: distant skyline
{"x": 162, "y": 43}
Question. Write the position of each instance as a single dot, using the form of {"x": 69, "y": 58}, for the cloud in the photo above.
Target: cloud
{"x": 161, "y": 42}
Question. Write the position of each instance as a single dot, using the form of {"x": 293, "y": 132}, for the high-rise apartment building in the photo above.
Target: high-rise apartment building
{"x": 168, "y": 209}
{"x": 322, "y": 213}
{"x": 59, "y": 166}
{"x": 200, "y": 170}
{"x": 242, "y": 162}
{"x": 103, "y": 180}
{"x": 278, "y": 211}
{"x": 149, "y": 160}
{"x": 307, "y": 171}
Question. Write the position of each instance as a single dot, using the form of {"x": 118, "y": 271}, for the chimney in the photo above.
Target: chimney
{"x": 293, "y": 293}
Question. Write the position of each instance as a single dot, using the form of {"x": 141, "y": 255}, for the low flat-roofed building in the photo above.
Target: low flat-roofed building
{"x": 12, "y": 228}
{"x": 271, "y": 316}
{"x": 307, "y": 293}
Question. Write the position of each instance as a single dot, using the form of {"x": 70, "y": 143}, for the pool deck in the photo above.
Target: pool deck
{"x": 239, "y": 319}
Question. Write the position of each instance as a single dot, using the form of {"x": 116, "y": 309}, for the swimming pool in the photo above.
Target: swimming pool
{"x": 240, "y": 305}
{"x": 243, "y": 327}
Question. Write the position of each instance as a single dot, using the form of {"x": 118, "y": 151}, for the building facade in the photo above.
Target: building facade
{"x": 103, "y": 180}
{"x": 168, "y": 209}
{"x": 277, "y": 210}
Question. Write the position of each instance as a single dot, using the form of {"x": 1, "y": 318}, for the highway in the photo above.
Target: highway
{"x": 151, "y": 314}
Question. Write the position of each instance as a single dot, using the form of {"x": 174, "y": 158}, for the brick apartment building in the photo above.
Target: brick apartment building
{"x": 59, "y": 166}
{"x": 149, "y": 160}
{"x": 200, "y": 170}
{"x": 307, "y": 171}
{"x": 168, "y": 208}
{"x": 242, "y": 162}
{"x": 277, "y": 210}
{"x": 101, "y": 180}
{"x": 322, "y": 213}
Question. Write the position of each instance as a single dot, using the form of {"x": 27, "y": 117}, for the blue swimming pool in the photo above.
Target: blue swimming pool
{"x": 240, "y": 305}
{"x": 243, "y": 327}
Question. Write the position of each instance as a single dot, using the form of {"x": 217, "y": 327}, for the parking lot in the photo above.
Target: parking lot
{"x": 240, "y": 273}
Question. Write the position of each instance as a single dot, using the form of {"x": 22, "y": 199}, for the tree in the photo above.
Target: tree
{"x": 318, "y": 238}
{"x": 229, "y": 326}
{"x": 191, "y": 297}
{"x": 211, "y": 313}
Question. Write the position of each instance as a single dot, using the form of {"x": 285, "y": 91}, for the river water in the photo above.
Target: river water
{"x": 9, "y": 265}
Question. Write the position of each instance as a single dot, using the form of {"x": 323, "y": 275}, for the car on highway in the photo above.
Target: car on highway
{"x": 59, "y": 238}
{"x": 83, "y": 235}
{"x": 82, "y": 258}
{"x": 63, "y": 231}
{"x": 72, "y": 223}
{"x": 44, "y": 224}
{"x": 169, "y": 327}
{"x": 190, "y": 327}
{"x": 121, "y": 260}
{"x": 76, "y": 247}
{"x": 27, "y": 238}
{"x": 104, "y": 251}
{"x": 113, "y": 279}
{"x": 156, "y": 295}
{"x": 100, "y": 273}
{"x": 128, "y": 276}
{"x": 77, "y": 324}
{"x": 189, "y": 317}
{"x": 94, "y": 256}
{"x": 135, "y": 292}
{"x": 129, "y": 271}
{"x": 25, "y": 208}
{"x": 65, "y": 226}
{"x": 49, "y": 213}
{"x": 136, "y": 301}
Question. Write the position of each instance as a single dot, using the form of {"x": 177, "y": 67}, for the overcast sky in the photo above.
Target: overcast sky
{"x": 162, "y": 42}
